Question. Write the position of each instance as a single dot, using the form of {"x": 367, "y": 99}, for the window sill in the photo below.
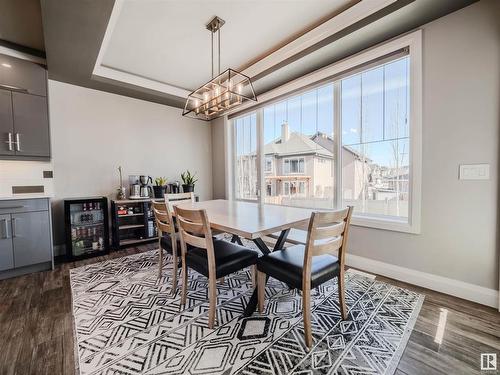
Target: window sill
{"x": 385, "y": 224}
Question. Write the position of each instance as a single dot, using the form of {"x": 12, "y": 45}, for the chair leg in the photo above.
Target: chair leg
{"x": 343, "y": 306}
{"x": 212, "y": 297}
{"x": 221, "y": 280}
{"x": 261, "y": 290}
{"x": 306, "y": 311}
{"x": 184, "y": 281}
{"x": 160, "y": 261}
{"x": 174, "y": 273}
{"x": 254, "y": 276}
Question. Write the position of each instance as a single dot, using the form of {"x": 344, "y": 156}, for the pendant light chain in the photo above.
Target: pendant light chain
{"x": 212, "y": 45}
{"x": 218, "y": 36}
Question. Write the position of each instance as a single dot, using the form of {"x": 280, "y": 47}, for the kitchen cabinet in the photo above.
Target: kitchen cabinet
{"x": 25, "y": 236}
{"x": 6, "y": 123}
{"x": 31, "y": 238}
{"x": 31, "y": 125}
{"x": 6, "y": 245}
{"x": 24, "y": 120}
{"x": 19, "y": 74}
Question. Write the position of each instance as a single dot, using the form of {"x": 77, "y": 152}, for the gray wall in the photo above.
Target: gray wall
{"x": 218, "y": 159}
{"x": 461, "y": 60}
{"x": 93, "y": 132}
{"x": 458, "y": 240}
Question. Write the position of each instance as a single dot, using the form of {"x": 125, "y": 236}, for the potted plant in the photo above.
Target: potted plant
{"x": 159, "y": 187}
{"x": 188, "y": 180}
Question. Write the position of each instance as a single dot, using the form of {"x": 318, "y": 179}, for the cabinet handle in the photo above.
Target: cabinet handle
{"x": 6, "y": 229}
{"x": 9, "y": 142}
{"x": 13, "y": 225}
{"x": 18, "y": 142}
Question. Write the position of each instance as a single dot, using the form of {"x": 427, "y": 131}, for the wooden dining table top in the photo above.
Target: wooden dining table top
{"x": 250, "y": 220}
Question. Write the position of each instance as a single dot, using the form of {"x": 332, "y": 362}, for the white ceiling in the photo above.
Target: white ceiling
{"x": 166, "y": 41}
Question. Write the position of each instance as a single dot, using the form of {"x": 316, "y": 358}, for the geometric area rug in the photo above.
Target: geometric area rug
{"x": 129, "y": 322}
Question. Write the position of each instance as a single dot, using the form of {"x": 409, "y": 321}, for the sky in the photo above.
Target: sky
{"x": 374, "y": 107}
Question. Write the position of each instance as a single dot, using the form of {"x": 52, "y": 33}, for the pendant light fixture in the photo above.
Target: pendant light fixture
{"x": 224, "y": 91}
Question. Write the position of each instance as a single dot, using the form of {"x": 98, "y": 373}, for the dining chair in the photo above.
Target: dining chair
{"x": 175, "y": 198}
{"x": 167, "y": 230}
{"x": 168, "y": 240}
{"x": 213, "y": 258}
{"x": 307, "y": 266}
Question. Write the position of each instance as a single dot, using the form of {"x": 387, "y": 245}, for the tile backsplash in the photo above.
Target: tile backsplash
{"x": 25, "y": 174}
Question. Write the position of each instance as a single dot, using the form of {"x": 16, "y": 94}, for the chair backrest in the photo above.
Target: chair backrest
{"x": 194, "y": 229}
{"x": 163, "y": 217}
{"x": 327, "y": 233}
{"x": 172, "y": 199}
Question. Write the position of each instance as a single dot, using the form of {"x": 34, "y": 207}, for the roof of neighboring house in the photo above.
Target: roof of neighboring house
{"x": 326, "y": 141}
{"x": 300, "y": 144}
{"x": 297, "y": 144}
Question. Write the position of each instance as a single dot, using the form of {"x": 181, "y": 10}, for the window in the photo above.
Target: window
{"x": 294, "y": 165}
{"x": 355, "y": 140}
{"x": 298, "y": 132}
{"x": 375, "y": 140}
{"x": 286, "y": 189}
{"x": 268, "y": 165}
{"x": 246, "y": 186}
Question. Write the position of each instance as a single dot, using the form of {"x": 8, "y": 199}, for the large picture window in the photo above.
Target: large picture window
{"x": 352, "y": 141}
{"x": 375, "y": 140}
{"x": 245, "y": 131}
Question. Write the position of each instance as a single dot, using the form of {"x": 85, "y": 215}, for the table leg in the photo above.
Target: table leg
{"x": 252, "y": 304}
{"x": 236, "y": 239}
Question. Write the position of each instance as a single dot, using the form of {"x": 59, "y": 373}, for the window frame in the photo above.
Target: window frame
{"x": 270, "y": 160}
{"x": 412, "y": 42}
{"x": 298, "y": 158}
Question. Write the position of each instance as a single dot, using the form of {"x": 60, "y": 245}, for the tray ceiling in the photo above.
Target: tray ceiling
{"x": 167, "y": 41}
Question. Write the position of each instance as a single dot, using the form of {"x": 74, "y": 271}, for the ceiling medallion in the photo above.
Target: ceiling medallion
{"x": 223, "y": 92}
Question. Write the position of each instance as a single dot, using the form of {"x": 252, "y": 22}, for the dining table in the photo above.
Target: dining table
{"x": 252, "y": 221}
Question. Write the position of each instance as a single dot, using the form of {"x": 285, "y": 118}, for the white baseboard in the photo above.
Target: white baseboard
{"x": 457, "y": 288}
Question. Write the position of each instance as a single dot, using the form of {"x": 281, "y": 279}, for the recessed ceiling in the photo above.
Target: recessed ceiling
{"x": 78, "y": 34}
{"x": 167, "y": 41}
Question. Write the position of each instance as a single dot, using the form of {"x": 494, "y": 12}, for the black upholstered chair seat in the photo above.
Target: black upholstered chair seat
{"x": 229, "y": 258}
{"x": 166, "y": 244}
{"x": 287, "y": 266}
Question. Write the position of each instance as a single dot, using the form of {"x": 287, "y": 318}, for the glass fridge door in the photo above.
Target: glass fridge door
{"x": 87, "y": 229}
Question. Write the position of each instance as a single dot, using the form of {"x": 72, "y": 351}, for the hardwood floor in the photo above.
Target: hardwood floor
{"x": 36, "y": 329}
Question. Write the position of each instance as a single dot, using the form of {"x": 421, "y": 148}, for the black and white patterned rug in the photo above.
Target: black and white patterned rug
{"x": 128, "y": 322}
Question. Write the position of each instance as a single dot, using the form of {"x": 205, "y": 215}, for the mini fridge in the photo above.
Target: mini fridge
{"x": 87, "y": 230}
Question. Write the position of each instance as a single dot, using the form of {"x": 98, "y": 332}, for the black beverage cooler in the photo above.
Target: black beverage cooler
{"x": 86, "y": 225}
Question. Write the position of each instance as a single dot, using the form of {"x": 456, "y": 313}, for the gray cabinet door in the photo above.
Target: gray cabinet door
{"x": 6, "y": 249}
{"x": 23, "y": 75}
{"x": 31, "y": 238}
{"x": 31, "y": 125}
{"x": 6, "y": 124}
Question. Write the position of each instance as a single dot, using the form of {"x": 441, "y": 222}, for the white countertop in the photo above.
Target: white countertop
{"x": 25, "y": 196}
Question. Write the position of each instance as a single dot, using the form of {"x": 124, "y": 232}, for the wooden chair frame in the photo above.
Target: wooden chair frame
{"x": 165, "y": 224}
{"x": 163, "y": 213}
{"x": 194, "y": 229}
{"x": 327, "y": 232}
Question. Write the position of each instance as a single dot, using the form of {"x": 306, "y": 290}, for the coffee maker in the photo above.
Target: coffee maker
{"x": 135, "y": 187}
{"x": 146, "y": 191}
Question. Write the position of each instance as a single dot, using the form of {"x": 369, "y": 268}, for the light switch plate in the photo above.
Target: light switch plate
{"x": 474, "y": 172}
